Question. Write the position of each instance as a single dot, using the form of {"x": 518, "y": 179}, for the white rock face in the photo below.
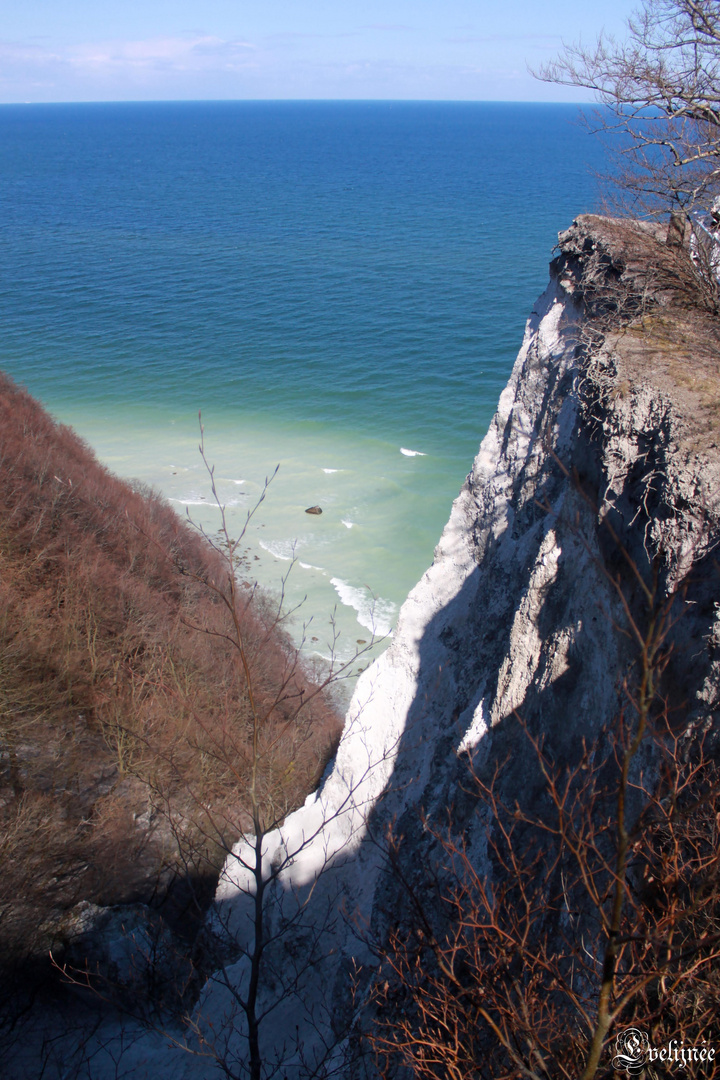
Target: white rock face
{"x": 434, "y": 692}
{"x": 384, "y": 714}
{"x": 515, "y": 618}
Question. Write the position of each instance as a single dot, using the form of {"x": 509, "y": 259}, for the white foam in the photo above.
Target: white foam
{"x": 373, "y": 613}
{"x": 412, "y": 453}
{"x": 281, "y": 549}
{"x": 207, "y": 502}
{"x": 309, "y": 566}
{"x": 347, "y": 524}
{"x": 331, "y": 470}
{"x": 197, "y": 502}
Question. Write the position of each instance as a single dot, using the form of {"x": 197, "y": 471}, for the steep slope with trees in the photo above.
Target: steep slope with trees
{"x": 126, "y": 720}
{"x": 515, "y": 856}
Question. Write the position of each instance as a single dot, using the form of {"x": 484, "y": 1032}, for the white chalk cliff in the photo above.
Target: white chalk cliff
{"x": 606, "y": 438}
{"x": 516, "y": 617}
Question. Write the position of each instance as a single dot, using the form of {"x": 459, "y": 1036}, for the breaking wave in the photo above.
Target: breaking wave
{"x": 374, "y": 613}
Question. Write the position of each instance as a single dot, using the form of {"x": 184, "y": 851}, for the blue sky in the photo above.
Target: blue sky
{"x": 85, "y": 50}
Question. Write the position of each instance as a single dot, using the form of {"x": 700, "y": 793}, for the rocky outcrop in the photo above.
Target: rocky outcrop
{"x": 602, "y": 457}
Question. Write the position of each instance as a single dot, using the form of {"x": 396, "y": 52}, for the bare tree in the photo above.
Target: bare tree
{"x": 601, "y": 913}
{"x": 660, "y": 92}
{"x": 261, "y": 955}
{"x": 596, "y": 925}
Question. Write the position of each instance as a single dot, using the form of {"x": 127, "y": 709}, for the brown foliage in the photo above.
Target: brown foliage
{"x": 624, "y": 270}
{"x": 532, "y": 971}
{"x": 123, "y": 715}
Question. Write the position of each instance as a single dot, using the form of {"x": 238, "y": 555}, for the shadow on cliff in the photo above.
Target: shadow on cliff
{"x": 537, "y": 641}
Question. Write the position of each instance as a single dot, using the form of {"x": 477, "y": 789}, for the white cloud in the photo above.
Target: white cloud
{"x": 26, "y": 53}
{"x": 179, "y": 53}
{"x": 196, "y": 65}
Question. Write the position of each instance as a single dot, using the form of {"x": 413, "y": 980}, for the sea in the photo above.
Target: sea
{"x": 338, "y": 290}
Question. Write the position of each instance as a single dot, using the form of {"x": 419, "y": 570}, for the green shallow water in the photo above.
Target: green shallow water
{"x": 330, "y": 282}
{"x": 346, "y": 570}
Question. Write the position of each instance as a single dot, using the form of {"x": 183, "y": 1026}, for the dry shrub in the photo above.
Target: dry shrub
{"x": 628, "y": 268}
{"x": 534, "y": 970}
{"x": 590, "y": 906}
{"x": 124, "y": 718}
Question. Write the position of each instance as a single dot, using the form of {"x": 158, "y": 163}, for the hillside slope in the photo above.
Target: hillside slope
{"x": 123, "y": 712}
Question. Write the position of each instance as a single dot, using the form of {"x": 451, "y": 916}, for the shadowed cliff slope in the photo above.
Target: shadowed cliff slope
{"x": 603, "y": 454}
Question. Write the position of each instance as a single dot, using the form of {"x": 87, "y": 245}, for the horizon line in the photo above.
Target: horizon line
{"x": 298, "y": 101}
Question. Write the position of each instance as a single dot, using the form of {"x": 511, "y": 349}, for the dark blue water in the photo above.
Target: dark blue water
{"x": 338, "y": 255}
{"x": 344, "y": 272}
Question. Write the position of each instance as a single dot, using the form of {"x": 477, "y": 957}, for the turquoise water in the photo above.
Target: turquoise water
{"x": 341, "y": 288}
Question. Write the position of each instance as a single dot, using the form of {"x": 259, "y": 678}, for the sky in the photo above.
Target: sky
{"x": 137, "y": 50}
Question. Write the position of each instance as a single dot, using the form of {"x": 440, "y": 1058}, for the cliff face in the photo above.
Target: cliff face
{"x": 603, "y": 456}
{"x": 603, "y": 450}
